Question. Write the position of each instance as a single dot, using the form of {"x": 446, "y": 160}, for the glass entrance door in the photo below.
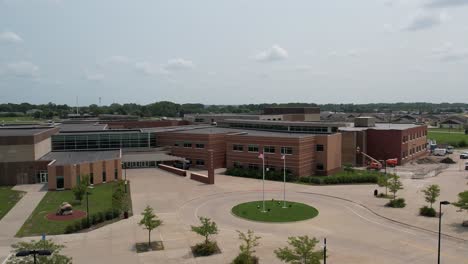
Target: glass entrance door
{"x": 43, "y": 177}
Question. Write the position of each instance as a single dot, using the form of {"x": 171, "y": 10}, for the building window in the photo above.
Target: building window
{"x": 319, "y": 166}
{"x": 116, "y": 174}
{"x": 78, "y": 180}
{"x": 187, "y": 145}
{"x": 200, "y": 162}
{"x": 253, "y": 167}
{"x": 200, "y": 145}
{"x": 103, "y": 176}
{"x": 286, "y": 150}
{"x": 253, "y": 148}
{"x": 176, "y": 144}
{"x": 319, "y": 147}
{"x": 237, "y": 164}
{"x": 237, "y": 147}
{"x": 268, "y": 149}
{"x": 91, "y": 178}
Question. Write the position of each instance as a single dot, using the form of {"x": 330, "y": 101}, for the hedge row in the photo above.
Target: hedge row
{"x": 341, "y": 179}
{"x": 94, "y": 219}
{"x": 257, "y": 174}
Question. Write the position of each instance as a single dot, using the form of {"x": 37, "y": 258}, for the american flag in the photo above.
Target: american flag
{"x": 261, "y": 156}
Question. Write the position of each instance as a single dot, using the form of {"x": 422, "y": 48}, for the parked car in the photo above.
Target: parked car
{"x": 450, "y": 150}
{"x": 181, "y": 165}
{"x": 439, "y": 152}
{"x": 464, "y": 155}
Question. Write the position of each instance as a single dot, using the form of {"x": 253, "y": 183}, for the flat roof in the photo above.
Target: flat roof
{"x": 22, "y": 131}
{"x": 77, "y": 157}
{"x": 149, "y": 156}
{"x": 105, "y": 131}
{"x": 379, "y": 126}
{"x": 70, "y": 127}
{"x": 286, "y": 123}
{"x": 173, "y": 128}
{"x": 244, "y": 132}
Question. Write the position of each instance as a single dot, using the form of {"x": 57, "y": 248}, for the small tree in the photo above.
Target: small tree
{"x": 394, "y": 185}
{"x": 206, "y": 229}
{"x": 462, "y": 203}
{"x": 247, "y": 248}
{"x": 382, "y": 181}
{"x": 56, "y": 257}
{"x": 118, "y": 199}
{"x": 149, "y": 222}
{"x": 302, "y": 251}
{"x": 431, "y": 193}
{"x": 80, "y": 189}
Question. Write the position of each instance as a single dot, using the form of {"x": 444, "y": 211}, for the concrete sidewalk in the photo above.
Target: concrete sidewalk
{"x": 15, "y": 218}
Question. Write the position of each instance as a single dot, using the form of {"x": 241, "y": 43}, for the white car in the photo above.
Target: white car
{"x": 464, "y": 155}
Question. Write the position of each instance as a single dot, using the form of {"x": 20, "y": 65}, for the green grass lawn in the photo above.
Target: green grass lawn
{"x": 99, "y": 201}
{"x": 10, "y": 119}
{"x": 453, "y": 139}
{"x": 8, "y": 199}
{"x": 277, "y": 214}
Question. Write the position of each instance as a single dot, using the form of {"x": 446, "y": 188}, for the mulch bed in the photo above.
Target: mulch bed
{"x": 77, "y": 214}
{"x": 143, "y": 247}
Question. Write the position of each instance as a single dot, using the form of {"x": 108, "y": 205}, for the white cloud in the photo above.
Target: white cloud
{"x": 22, "y": 69}
{"x": 445, "y": 3}
{"x": 422, "y": 21}
{"x": 448, "y": 53}
{"x": 10, "y": 37}
{"x": 178, "y": 64}
{"x": 149, "y": 68}
{"x": 117, "y": 59}
{"x": 95, "y": 77}
{"x": 349, "y": 53}
{"x": 275, "y": 53}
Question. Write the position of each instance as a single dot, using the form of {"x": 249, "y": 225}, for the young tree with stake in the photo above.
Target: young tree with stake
{"x": 149, "y": 222}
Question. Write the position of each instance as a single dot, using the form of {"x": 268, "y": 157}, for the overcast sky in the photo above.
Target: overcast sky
{"x": 233, "y": 52}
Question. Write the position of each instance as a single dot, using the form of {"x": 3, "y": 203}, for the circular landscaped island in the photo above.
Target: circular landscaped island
{"x": 275, "y": 212}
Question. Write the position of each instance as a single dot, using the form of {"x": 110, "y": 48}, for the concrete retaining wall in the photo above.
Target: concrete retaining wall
{"x": 173, "y": 170}
{"x": 199, "y": 177}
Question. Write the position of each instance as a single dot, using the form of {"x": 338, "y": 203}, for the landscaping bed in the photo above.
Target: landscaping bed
{"x": 100, "y": 208}
{"x": 355, "y": 177}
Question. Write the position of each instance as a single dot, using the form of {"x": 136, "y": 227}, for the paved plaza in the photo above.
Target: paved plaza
{"x": 358, "y": 228}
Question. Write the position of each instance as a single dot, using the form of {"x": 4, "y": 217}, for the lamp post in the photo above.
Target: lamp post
{"x": 325, "y": 251}
{"x": 87, "y": 206}
{"x": 284, "y": 180}
{"x": 440, "y": 227}
{"x": 25, "y": 253}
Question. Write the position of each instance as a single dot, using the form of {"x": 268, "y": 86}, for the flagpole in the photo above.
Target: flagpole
{"x": 284, "y": 183}
{"x": 263, "y": 167}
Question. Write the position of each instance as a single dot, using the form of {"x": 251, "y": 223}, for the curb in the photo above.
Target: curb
{"x": 389, "y": 219}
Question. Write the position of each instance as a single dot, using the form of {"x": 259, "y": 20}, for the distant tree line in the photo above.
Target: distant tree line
{"x": 170, "y": 109}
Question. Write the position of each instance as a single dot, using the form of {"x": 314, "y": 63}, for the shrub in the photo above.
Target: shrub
{"x": 109, "y": 215}
{"x": 427, "y": 211}
{"x": 77, "y": 226}
{"x": 94, "y": 219}
{"x": 397, "y": 203}
{"x": 84, "y": 223}
{"x": 243, "y": 258}
{"x": 205, "y": 249}
{"x": 462, "y": 144}
{"x": 70, "y": 229}
{"x": 257, "y": 174}
{"x": 101, "y": 217}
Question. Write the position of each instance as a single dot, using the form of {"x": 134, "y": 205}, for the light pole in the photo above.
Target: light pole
{"x": 87, "y": 206}
{"x": 262, "y": 156}
{"x": 325, "y": 251}
{"x": 440, "y": 227}
{"x": 25, "y": 253}
{"x": 284, "y": 180}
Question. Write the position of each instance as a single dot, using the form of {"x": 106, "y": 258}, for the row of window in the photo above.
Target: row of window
{"x": 103, "y": 141}
{"x": 198, "y": 162}
{"x": 103, "y": 175}
{"x": 414, "y": 150}
{"x": 277, "y": 127}
{"x": 413, "y": 136}
{"x": 271, "y": 149}
{"x": 189, "y": 145}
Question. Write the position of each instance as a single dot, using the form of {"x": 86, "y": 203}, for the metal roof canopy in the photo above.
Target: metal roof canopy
{"x": 149, "y": 156}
